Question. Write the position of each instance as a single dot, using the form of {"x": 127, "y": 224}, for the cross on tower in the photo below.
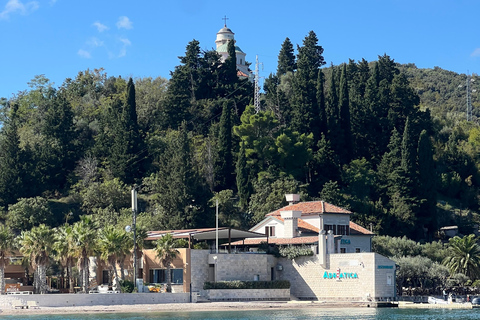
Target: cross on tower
{"x": 225, "y": 18}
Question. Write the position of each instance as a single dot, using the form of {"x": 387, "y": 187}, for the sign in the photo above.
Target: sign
{"x": 385, "y": 267}
{"x": 340, "y": 275}
{"x": 344, "y": 241}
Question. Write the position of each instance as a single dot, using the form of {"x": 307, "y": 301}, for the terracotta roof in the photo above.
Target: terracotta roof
{"x": 303, "y": 225}
{"x": 311, "y": 208}
{"x": 359, "y": 229}
{"x": 279, "y": 241}
{"x": 241, "y": 74}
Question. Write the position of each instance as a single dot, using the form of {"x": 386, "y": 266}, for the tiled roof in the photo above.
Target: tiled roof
{"x": 241, "y": 74}
{"x": 356, "y": 229}
{"x": 279, "y": 241}
{"x": 311, "y": 208}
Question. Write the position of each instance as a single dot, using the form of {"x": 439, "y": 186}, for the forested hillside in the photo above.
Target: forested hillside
{"x": 384, "y": 140}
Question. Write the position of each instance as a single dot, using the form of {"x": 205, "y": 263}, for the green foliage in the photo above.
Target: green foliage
{"x": 292, "y": 252}
{"x": 100, "y": 195}
{"x": 395, "y": 246}
{"x": 126, "y": 286}
{"x": 463, "y": 256}
{"x": 27, "y": 213}
{"x": 276, "y": 284}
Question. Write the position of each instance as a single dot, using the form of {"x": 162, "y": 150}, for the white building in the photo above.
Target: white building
{"x": 225, "y": 35}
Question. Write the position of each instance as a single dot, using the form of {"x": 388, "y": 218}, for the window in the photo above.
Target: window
{"x": 343, "y": 230}
{"x": 270, "y": 231}
{"x": 330, "y": 227}
{"x": 160, "y": 276}
{"x": 343, "y": 250}
{"x": 357, "y": 250}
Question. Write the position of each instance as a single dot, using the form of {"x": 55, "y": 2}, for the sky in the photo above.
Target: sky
{"x": 143, "y": 38}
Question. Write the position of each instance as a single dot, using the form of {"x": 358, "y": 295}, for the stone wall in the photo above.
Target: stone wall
{"x": 360, "y": 278}
{"x": 72, "y": 300}
{"x": 200, "y": 269}
{"x": 247, "y": 294}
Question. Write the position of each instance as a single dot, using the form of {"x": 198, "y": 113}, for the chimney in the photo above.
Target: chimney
{"x": 290, "y": 219}
{"x": 292, "y": 198}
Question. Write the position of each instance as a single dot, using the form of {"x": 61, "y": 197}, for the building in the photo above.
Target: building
{"x": 225, "y": 35}
{"x": 342, "y": 267}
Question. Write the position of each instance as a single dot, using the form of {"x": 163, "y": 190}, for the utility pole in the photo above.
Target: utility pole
{"x": 134, "y": 224}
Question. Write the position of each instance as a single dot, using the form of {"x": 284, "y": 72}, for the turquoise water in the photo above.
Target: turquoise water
{"x": 318, "y": 313}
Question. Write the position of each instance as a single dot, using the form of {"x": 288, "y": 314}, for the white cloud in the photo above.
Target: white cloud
{"x": 84, "y": 54}
{"x": 123, "y": 50}
{"x": 124, "y": 23}
{"x": 95, "y": 42}
{"x": 100, "y": 27}
{"x": 52, "y": 2}
{"x": 476, "y": 53}
{"x": 14, "y": 6}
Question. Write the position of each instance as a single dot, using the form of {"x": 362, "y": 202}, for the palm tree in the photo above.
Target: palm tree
{"x": 37, "y": 245}
{"x": 64, "y": 250}
{"x": 114, "y": 245}
{"x": 463, "y": 256}
{"x": 166, "y": 252}
{"x": 84, "y": 242}
{"x": 7, "y": 244}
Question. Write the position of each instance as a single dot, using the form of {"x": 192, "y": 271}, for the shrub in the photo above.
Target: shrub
{"x": 292, "y": 252}
{"x": 126, "y": 286}
{"x": 276, "y": 284}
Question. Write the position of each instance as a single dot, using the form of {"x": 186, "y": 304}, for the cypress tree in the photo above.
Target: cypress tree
{"x": 344, "y": 119}
{"x": 426, "y": 188}
{"x": 11, "y": 160}
{"x": 225, "y": 171}
{"x": 243, "y": 183}
{"x": 286, "y": 59}
{"x": 321, "y": 103}
{"x": 305, "y": 112}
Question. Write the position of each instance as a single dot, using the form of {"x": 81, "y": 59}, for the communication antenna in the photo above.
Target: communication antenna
{"x": 257, "y": 85}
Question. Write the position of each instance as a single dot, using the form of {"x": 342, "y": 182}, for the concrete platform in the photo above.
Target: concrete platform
{"x": 411, "y": 305}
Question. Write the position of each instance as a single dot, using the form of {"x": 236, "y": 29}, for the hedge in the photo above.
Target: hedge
{"x": 276, "y": 284}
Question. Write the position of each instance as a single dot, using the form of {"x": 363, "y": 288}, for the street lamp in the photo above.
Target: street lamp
{"x": 133, "y": 228}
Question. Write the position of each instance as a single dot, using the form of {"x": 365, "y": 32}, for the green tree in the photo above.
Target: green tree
{"x": 64, "y": 251}
{"x": 286, "y": 58}
{"x": 243, "y": 178}
{"x": 37, "y": 244}
{"x": 426, "y": 184}
{"x": 12, "y": 161}
{"x": 305, "y": 111}
{"x": 114, "y": 245}
{"x": 166, "y": 251}
{"x": 29, "y": 212}
{"x": 85, "y": 245}
{"x": 225, "y": 171}
{"x": 346, "y": 147}
{"x": 178, "y": 191}
{"x": 463, "y": 256}
{"x": 7, "y": 245}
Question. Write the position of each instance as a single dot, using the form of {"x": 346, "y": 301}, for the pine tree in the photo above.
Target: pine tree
{"x": 286, "y": 59}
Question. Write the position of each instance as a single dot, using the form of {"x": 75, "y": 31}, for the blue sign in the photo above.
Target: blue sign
{"x": 385, "y": 267}
{"x": 340, "y": 275}
{"x": 344, "y": 241}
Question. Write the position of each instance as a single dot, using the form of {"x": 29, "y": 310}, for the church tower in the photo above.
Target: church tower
{"x": 223, "y": 37}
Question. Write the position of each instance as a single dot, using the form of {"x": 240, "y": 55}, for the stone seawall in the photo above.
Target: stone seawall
{"x": 75, "y": 300}
{"x": 248, "y": 294}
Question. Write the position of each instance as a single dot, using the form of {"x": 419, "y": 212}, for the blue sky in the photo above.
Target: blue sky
{"x": 59, "y": 38}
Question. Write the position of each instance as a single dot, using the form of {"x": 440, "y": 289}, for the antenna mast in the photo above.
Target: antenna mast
{"x": 257, "y": 85}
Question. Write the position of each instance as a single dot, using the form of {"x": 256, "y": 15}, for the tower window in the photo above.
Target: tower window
{"x": 240, "y": 61}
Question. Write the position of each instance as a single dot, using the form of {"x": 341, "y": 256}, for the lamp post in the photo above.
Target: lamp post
{"x": 134, "y": 229}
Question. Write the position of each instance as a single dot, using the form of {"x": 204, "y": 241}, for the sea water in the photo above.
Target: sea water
{"x": 284, "y": 314}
